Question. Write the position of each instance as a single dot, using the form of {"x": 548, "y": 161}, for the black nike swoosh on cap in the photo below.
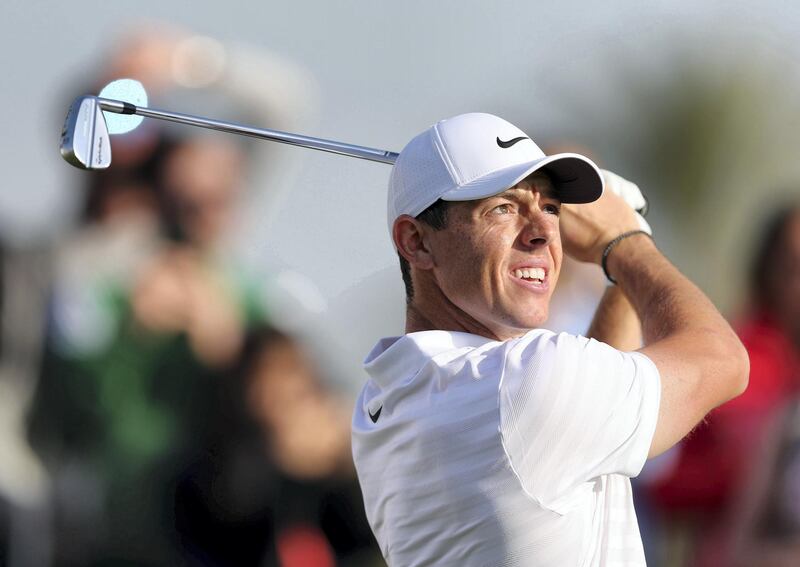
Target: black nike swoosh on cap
{"x": 510, "y": 142}
{"x": 375, "y": 417}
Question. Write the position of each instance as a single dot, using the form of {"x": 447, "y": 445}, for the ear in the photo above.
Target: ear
{"x": 409, "y": 238}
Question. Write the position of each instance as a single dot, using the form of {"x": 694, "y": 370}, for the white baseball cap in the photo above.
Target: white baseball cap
{"x": 477, "y": 155}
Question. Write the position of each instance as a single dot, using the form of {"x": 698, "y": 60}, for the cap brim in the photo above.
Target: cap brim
{"x": 576, "y": 179}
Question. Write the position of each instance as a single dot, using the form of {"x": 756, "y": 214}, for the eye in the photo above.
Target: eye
{"x": 504, "y": 209}
{"x": 552, "y": 209}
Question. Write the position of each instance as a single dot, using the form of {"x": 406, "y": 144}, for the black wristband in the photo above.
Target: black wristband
{"x": 610, "y": 246}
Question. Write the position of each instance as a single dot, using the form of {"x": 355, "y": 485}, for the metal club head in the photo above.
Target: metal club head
{"x": 85, "y": 142}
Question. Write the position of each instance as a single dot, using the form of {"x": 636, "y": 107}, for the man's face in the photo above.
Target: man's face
{"x": 498, "y": 259}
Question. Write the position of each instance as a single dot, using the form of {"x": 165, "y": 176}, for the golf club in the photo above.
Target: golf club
{"x": 86, "y": 144}
{"x": 86, "y": 141}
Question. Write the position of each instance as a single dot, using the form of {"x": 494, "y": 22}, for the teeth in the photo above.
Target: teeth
{"x": 530, "y": 273}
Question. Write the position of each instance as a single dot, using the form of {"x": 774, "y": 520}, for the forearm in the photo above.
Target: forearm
{"x": 615, "y": 322}
{"x": 665, "y": 300}
{"x": 701, "y": 361}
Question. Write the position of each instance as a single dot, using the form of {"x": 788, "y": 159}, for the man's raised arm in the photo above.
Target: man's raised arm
{"x": 701, "y": 361}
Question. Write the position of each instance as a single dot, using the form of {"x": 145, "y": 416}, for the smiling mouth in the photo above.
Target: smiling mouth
{"x": 533, "y": 275}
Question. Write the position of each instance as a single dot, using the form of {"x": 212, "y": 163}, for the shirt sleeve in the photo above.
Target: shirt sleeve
{"x": 573, "y": 409}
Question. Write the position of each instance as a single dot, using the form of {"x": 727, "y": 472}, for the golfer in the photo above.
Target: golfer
{"x": 483, "y": 439}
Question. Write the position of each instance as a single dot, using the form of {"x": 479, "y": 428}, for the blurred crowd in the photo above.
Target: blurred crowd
{"x": 729, "y": 494}
{"x": 155, "y": 410}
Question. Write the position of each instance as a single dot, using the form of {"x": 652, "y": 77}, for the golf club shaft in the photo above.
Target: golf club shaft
{"x": 371, "y": 154}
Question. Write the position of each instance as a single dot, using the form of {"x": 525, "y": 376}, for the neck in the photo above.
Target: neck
{"x": 431, "y": 310}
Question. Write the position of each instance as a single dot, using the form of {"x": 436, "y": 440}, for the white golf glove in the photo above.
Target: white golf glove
{"x": 630, "y": 193}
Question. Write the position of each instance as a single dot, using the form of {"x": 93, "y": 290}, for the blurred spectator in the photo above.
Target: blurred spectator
{"x": 276, "y": 485}
{"x": 763, "y": 527}
{"x": 147, "y": 313}
{"x": 24, "y": 285}
{"x": 708, "y": 499}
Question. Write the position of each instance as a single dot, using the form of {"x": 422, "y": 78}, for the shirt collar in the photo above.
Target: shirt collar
{"x": 394, "y": 358}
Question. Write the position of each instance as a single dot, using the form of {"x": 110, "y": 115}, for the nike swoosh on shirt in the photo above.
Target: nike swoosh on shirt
{"x": 377, "y": 414}
{"x": 510, "y": 142}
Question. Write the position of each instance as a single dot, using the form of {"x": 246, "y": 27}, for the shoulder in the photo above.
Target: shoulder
{"x": 566, "y": 347}
{"x": 543, "y": 347}
{"x": 560, "y": 363}
{"x": 543, "y": 339}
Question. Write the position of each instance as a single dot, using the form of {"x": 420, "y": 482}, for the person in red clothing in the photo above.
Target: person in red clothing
{"x": 710, "y": 490}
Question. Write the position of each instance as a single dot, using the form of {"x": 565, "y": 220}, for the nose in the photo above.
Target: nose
{"x": 538, "y": 231}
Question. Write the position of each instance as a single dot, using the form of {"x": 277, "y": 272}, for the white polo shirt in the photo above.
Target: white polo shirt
{"x": 473, "y": 452}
